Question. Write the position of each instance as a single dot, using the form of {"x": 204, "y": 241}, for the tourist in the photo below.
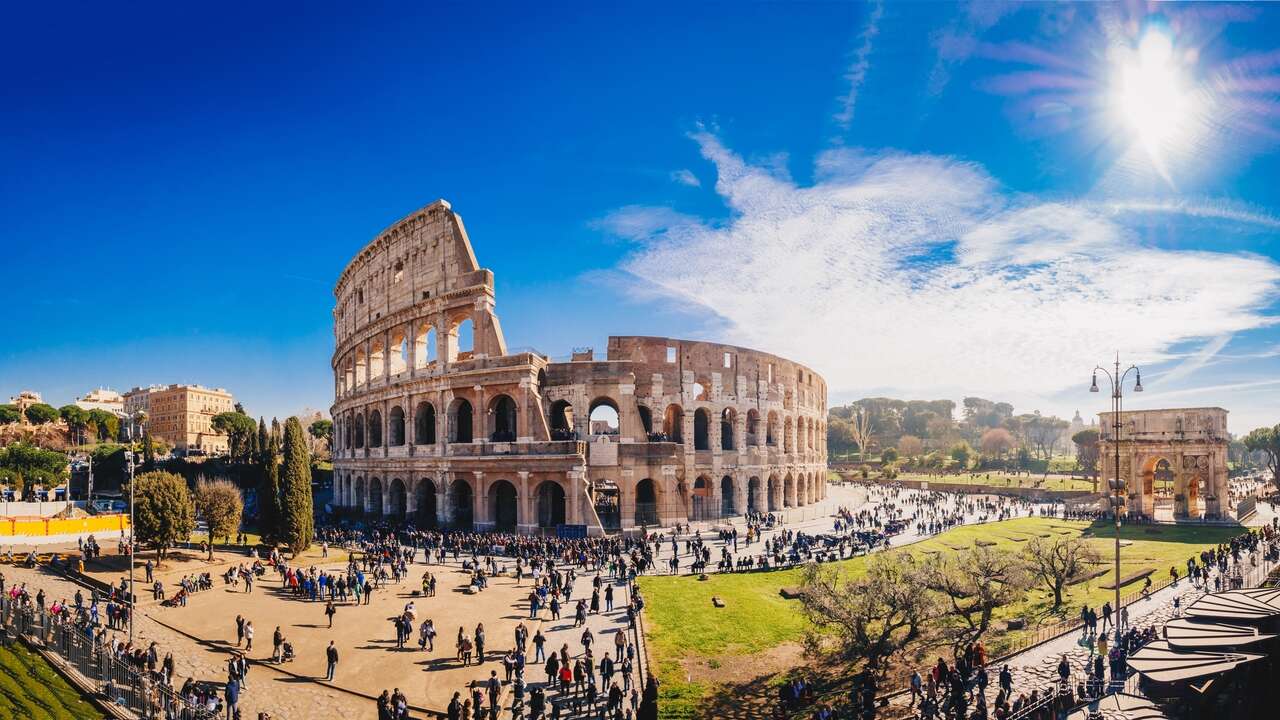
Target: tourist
{"x": 331, "y": 658}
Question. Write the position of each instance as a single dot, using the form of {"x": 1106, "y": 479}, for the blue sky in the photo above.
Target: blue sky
{"x": 920, "y": 200}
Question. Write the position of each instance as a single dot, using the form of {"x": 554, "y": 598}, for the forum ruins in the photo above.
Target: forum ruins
{"x": 662, "y": 431}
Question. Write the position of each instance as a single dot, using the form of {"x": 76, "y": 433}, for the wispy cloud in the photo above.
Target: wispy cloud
{"x": 685, "y": 176}
{"x": 640, "y": 222}
{"x": 921, "y": 273}
{"x": 1218, "y": 389}
{"x": 1196, "y": 361}
{"x": 857, "y": 71}
{"x": 956, "y": 42}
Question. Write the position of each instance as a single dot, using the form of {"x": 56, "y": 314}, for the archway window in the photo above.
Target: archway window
{"x": 502, "y": 495}
{"x": 753, "y": 494}
{"x": 377, "y": 361}
{"x": 673, "y": 424}
{"x": 462, "y": 422}
{"x": 462, "y": 342}
{"x": 399, "y": 355}
{"x": 646, "y": 503}
{"x": 395, "y": 426}
{"x": 424, "y": 347}
{"x": 550, "y": 504}
{"x": 375, "y": 429}
{"x": 646, "y": 419}
{"x": 359, "y": 431}
{"x": 504, "y": 419}
{"x": 753, "y": 426}
{"x": 700, "y": 423}
{"x": 727, "y": 418}
{"x": 604, "y": 417}
{"x": 462, "y": 504}
{"x": 726, "y": 496}
{"x": 374, "y": 505}
{"x": 425, "y": 493}
{"x": 424, "y": 424}
{"x": 398, "y": 499}
{"x": 561, "y": 420}
{"x": 362, "y": 368}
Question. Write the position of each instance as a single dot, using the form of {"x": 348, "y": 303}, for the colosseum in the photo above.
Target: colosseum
{"x": 437, "y": 423}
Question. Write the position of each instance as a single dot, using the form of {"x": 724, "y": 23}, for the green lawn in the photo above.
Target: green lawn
{"x": 30, "y": 689}
{"x": 683, "y": 627}
{"x": 999, "y": 479}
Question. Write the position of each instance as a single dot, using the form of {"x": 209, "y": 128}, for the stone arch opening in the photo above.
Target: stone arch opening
{"x": 395, "y": 426}
{"x": 359, "y": 430}
{"x": 646, "y": 503}
{"x": 646, "y": 419}
{"x": 358, "y": 500}
{"x": 374, "y": 504}
{"x": 788, "y": 436}
{"x": 699, "y": 505}
{"x": 397, "y": 499}
{"x": 727, "y": 419}
{"x": 753, "y": 494}
{"x": 463, "y": 341}
{"x": 462, "y": 505}
{"x": 604, "y": 417}
{"x": 424, "y": 424}
{"x": 550, "y": 504}
{"x": 771, "y": 429}
{"x": 752, "y": 438}
{"x": 503, "y": 409}
{"x": 772, "y": 493}
{"x": 561, "y": 420}
{"x": 425, "y": 494}
{"x": 503, "y": 505}
{"x": 377, "y": 360}
{"x": 673, "y": 424}
{"x": 726, "y": 496}
{"x": 424, "y": 347}
{"x": 398, "y": 358}
{"x": 375, "y": 429}
{"x": 700, "y": 433}
{"x": 788, "y": 491}
{"x": 462, "y": 421}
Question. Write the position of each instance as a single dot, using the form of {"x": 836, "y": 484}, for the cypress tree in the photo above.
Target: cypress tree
{"x": 297, "y": 522}
{"x": 148, "y": 453}
{"x": 269, "y": 488}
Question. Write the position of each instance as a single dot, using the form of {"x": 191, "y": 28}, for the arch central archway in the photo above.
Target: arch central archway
{"x": 374, "y": 505}
{"x": 398, "y": 499}
{"x": 502, "y": 500}
{"x": 727, "y": 496}
{"x": 646, "y": 503}
{"x": 504, "y": 419}
{"x": 550, "y": 504}
{"x": 700, "y": 431}
{"x": 462, "y": 422}
{"x": 753, "y": 494}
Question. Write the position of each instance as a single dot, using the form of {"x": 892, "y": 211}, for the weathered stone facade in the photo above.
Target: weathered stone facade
{"x": 1181, "y": 449}
{"x": 429, "y": 430}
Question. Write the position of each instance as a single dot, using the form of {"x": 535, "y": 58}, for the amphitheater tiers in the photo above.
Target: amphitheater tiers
{"x": 436, "y": 422}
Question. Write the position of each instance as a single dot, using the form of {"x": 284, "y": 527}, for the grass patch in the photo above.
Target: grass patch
{"x": 999, "y": 479}
{"x": 683, "y": 628}
{"x": 31, "y": 688}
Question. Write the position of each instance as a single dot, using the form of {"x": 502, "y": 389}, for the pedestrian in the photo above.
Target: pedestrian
{"x": 331, "y": 658}
{"x": 232, "y": 698}
{"x": 248, "y": 635}
{"x": 330, "y": 611}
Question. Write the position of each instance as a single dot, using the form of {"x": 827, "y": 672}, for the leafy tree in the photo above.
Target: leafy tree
{"x": 973, "y": 584}
{"x": 264, "y": 440}
{"x": 106, "y": 425}
{"x": 1059, "y": 561}
{"x": 23, "y": 465}
{"x": 162, "y": 510}
{"x": 77, "y": 420}
{"x": 9, "y": 414}
{"x": 40, "y": 414}
{"x": 996, "y": 442}
{"x": 871, "y": 617}
{"x": 961, "y": 453}
{"x": 1086, "y": 442}
{"x": 910, "y": 446}
{"x": 297, "y": 522}
{"x": 148, "y": 450}
{"x": 220, "y": 506}
{"x": 322, "y": 430}
{"x": 238, "y": 428}
{"x": 889, "y": 454}
{"x": 1266, "y": 441}
{"x": 269, "y": 510}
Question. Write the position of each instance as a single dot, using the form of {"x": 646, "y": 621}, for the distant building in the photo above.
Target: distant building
{"x": 182, "y": 415}
{"x": 24, "y": 400}
{"x": 102, "y": 399}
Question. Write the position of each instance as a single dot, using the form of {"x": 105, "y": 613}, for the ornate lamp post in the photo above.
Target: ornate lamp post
{"x": 1116, "y": 379}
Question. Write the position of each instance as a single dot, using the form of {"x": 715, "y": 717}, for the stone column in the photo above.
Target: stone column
{"x": 573, "y": 499}
{"x": 480, "y": 428}
{"x": 740, "y": 492}
{"x": 525, "y": 520}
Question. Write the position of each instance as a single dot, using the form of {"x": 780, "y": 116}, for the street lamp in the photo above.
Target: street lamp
{"x": 1116, "y": 379}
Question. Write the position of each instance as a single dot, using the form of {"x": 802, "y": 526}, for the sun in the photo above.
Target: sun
{"x": 1151, "y": 96}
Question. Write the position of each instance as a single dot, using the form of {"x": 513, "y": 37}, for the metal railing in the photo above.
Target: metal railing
{"x": 81, "y": 645}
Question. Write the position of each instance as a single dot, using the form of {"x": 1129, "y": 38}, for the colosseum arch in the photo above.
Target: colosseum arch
{"x": 788, "y": 437}
{"x": 727, "y": 496}
{"x": 461, "y": 421}
{"x": 604, "y": 417}
{"x": 646, "y": 503}
{"x": 462, "y": 504}
{"x": 424, "y": 424}
{"x": 551, "y": 505}
{"x": 395, "y": 426}
{"x": 699, "y": 499}
{"x": 358, "y": 499}
{"x": 373, "y": 504}
{"x": 753, "y": 495}
{"x": 424, "y": 493}
{"x": 772, "y": 428}
{"x": 673, "y": 423}
{"x": 398, "y": 355}
{"x": 774, "y": 494}
{"x": 503, "y": 410}
{"x": 752, "y": 438}
{"x": 701, "y": 432}
{"x": 727, "y": 420}
{"x": 788, "y": 491}
{"x": 397, "y": 500}
{"x": 504, "y": 504}
{"x": 424, "y": 347}
{"x": 377, "y": 360}
{"x": 802, "y": 490}
{"x": 362, "y": 368}
{"x": 646, "y": 419}
{"x": 359, "y": 423}
{"x": 561, "y": 419}
{"x": 374, "y": 432}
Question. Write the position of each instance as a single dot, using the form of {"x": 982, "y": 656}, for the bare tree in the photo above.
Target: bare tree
{"x": 1059, "y": 561}
{"x": 973, "y": 584}
{"x": 220, "y": 506}
{"x": 910, "y": 446}
{"x": 996, "y": 442}
{"x": 860, "y": 429}
{"x": 871, "y": 617}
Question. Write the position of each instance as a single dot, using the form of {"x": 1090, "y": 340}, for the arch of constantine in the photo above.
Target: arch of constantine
{"x": 435, "y": 421}
{"x": 1175, "y": 457}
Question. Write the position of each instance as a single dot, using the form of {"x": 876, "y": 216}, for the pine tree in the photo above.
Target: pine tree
{"x": 263, "y": 440}
{"x": 148, "y": 452}
{"x": 269, "y": 488}
{"x": 297, "y": 522}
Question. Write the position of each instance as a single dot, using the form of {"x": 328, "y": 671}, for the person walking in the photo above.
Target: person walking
{"x": 330, "y": 611}
{"x": 232, "y": 696}
{"x": 331, "y": 659}
{"x": 239, "y": 630}
{"x": 248, "y": 635}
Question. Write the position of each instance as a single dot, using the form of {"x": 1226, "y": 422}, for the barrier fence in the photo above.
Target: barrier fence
{"x": 130, "y": 688}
